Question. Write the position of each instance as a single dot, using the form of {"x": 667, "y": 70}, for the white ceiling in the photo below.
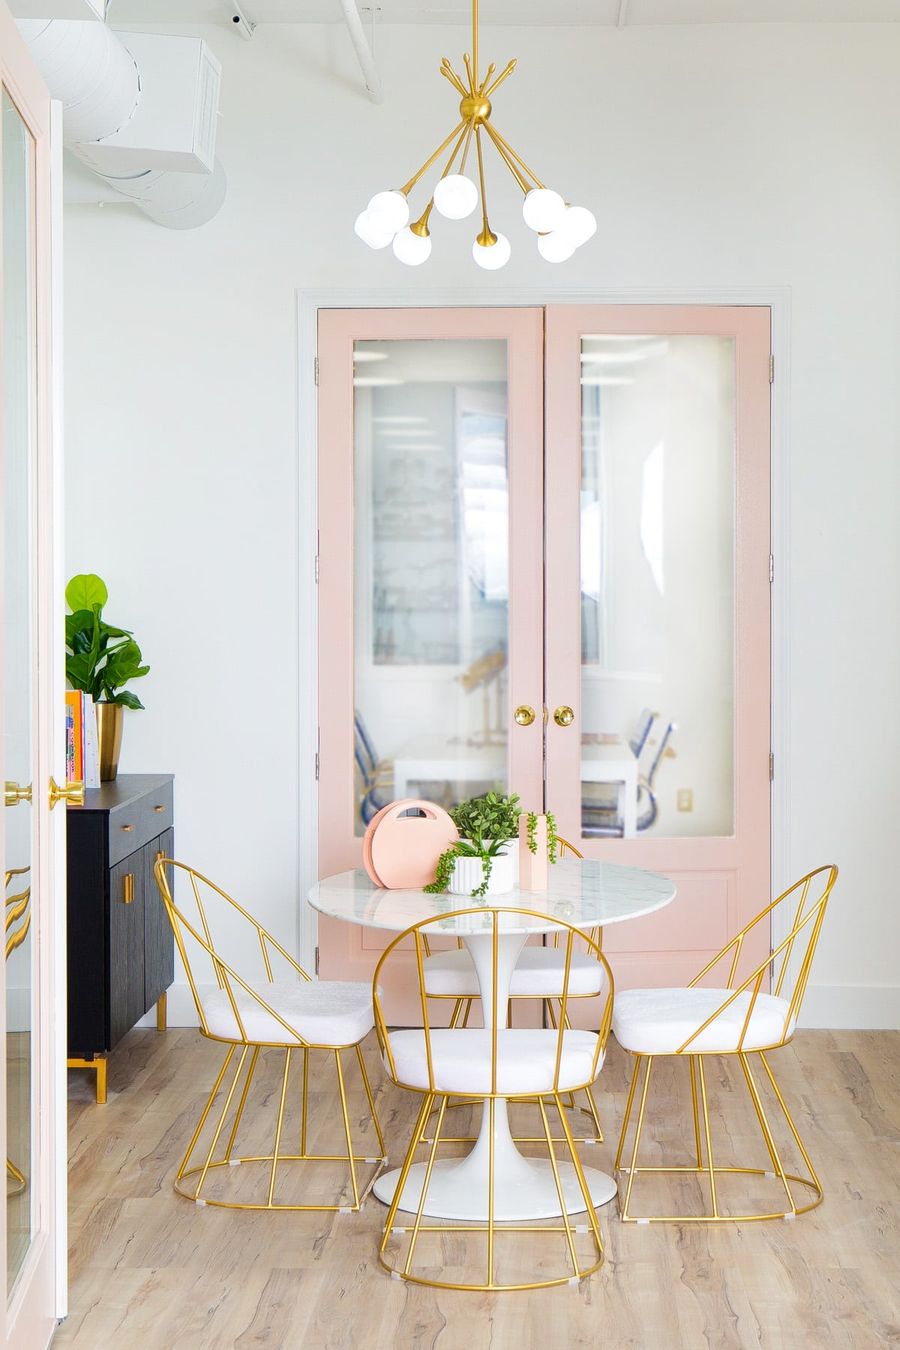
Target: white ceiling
{"x": 624, "y": 13}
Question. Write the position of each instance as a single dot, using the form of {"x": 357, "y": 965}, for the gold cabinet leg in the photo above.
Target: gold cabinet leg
{"x": 98, "y": 1066}
{"x": 161, "y": 1012}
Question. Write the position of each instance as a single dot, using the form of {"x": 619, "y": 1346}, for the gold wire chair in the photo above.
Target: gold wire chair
{"x": 489, "y": 1053}
{"x": 551, "y": 965}
{"x": 739, "y": 1020}
{"x": 18, "y": 922}
{"x": 292, "y": 1018}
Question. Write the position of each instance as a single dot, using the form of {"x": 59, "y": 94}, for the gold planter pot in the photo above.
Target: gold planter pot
{"x": 109, "y": 736}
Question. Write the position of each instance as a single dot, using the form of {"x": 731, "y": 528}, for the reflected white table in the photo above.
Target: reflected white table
{"x": 434, "y": 760}
{"x": 586, "y": 894}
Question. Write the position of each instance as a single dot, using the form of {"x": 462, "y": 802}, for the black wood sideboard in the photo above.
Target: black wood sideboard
{"x": 121, "y": 951}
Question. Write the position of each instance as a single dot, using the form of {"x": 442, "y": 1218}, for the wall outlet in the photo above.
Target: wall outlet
{"x": 685, "y": 799}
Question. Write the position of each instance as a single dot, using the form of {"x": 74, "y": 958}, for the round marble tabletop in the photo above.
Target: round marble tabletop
{"x": 585, "y": 893}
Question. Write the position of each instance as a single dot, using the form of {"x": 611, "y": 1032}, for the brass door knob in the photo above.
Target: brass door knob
{"x": 564, "y": 716}
{"x": 13, "y": 793}
{"x": 71, "y": 793}
{"x": 524, "y": 715}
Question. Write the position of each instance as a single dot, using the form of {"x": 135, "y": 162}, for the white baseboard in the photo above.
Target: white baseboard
{"x": 180, "y": 1008}
{"x": 869, "y": 1007}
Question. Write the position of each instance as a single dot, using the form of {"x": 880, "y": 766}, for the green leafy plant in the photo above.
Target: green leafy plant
{"x": 552, "y": 836}
{"x": 486, "y": 825}
{"x": 100, "y": 659}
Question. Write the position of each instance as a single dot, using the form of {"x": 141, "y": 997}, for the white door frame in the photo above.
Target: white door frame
{"x": 309, "y": 302}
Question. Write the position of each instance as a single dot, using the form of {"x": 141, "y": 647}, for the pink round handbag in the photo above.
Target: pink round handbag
{"x": 400, "y": 851}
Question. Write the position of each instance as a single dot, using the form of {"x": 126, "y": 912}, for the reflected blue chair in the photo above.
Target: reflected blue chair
{"x": 376, "y": 778}
{"x": 600, "y": 822}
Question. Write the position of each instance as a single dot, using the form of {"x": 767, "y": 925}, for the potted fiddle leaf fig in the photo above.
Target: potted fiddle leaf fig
{"x": 101, "y": 659}
{"x": 482, "y": 861}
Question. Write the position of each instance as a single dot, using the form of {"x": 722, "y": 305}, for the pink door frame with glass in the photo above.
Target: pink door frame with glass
{"x": 346, "y": 951}
{"x": 722, "y": 882}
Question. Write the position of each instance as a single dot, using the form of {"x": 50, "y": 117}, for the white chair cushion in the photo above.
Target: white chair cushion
{"x": 538, "y": 973}
{"x": 526, "y": 1060}
{"x": 659, "y": 1021}
{"x": 333, "y": 1012}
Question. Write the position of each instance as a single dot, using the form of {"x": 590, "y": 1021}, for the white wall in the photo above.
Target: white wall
{"x": 715, "y": 158}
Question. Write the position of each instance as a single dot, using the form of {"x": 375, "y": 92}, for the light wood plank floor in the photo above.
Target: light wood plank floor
{"x": 151, "y": 1271}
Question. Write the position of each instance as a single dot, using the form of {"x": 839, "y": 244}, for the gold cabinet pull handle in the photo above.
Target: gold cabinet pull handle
{"x": 564, "y": 715}
{"x": 157, "y": 809}
{"x": 128, "y": 888}
{"x": 127, "y": 829}
{"x": 13, "y": 793}
{"x": 524, "y": 715}
{"x": 70, "y": 793}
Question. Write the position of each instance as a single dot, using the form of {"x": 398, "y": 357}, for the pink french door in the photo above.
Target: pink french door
{"x": 430, "y": 572}
{"x": 658, "y": 612}
{"x": 564, "y": 511}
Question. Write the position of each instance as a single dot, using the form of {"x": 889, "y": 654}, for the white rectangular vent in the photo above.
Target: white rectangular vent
{"x": 174, "y": 124}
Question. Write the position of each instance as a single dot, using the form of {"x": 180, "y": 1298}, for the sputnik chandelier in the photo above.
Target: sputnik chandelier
{"x": 560, "y": 228}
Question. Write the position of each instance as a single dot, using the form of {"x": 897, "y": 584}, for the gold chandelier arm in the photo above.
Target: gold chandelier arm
{"x": 487, "y": 236}
{"x": 467, "y": 147}
{"x": 450, "y": 74}
{"x": 467, "y": 62}
{"x": 504, "y": 75}
{"x": 464, "y": 138}
{"x": 529, "y": 173}
{"x": 484, "y": 83}
{"x": 410, "y": 184}
{"x": 510, "y": 163}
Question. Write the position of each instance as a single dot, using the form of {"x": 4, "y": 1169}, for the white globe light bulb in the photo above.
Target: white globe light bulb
{"x": 389, "y": 211}
{"x": 410, "y": 248}
{"x": 455, "y": 196}
{"x": 543, "y": 209}
{"x": 492, "y": 256}
{"x": 367, "y": 232}
{"x": 556, "y": 246}
{"x": 579, "y": 224}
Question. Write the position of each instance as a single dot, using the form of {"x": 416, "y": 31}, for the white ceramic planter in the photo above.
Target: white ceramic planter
{"x": 468, "y": 873}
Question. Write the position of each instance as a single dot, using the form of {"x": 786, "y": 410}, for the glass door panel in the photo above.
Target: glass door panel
{"x": 18, "y": 664}
{"x": 657, "y": 585}
{"x": 431, "y": 549}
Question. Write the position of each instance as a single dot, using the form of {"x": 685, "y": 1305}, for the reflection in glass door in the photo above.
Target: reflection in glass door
{"x": 431, "y": 548}
{"x": 17, "y": 722}
{"x": 657, "y": 585}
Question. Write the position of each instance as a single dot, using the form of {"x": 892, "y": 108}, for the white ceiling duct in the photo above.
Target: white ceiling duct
{"x": 144, "y": 121}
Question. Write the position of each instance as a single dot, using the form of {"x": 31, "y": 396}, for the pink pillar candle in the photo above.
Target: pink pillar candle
{"x": 533, "y": 866}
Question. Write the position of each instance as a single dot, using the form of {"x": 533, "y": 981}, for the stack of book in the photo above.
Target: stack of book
{"x": 82, "y": 749}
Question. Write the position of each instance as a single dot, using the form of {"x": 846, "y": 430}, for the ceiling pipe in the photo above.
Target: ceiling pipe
{"x": 363, "y": 51}
{"x": 94, "y": 75}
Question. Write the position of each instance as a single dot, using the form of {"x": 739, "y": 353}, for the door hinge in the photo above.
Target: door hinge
{"x": 317, "y": 766}
{"x": 771, "y": 567}
{"x": 317, "y": 569}
{"x": 317, "y": 960}
{"x": 771, "y": 765}
{"x": 316, "y": 370}
{"x": 771, "y": 371}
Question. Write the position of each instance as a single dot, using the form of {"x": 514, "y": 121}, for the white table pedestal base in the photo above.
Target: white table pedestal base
{"x": 524, "y": 1188}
